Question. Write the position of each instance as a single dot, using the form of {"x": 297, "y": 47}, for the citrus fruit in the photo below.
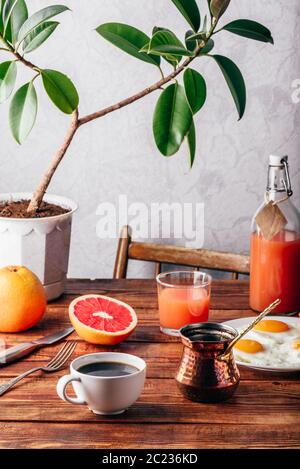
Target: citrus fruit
{"x": 22, "y": 299}
{"x": 102, "y": 320}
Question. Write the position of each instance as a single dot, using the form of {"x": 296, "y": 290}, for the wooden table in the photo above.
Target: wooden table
{"x": 265, "y": 413}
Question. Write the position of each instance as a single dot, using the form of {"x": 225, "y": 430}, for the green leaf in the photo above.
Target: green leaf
{"x": 191, "y": 44}
{"x": 1, "y": 20}
{"x": 194, "y": 36}
{"x": 168, "y": 50}
{"x": 39, "y": 35}
{"x": 18, "y": 17}
{"x": 145, "y": 48}
{"x": 22, "y": 112}
{"x": 8, "y": 74}
{"x": 39, "y": 17}
{"x": 166, "y": 43}
{"x": 235, "y": 82}
{"x": 250, "y": 29}
{"x": 208, "y": 47}
{"x": 128, "y": 39}
{"x": 60, "y": 90}
{"x": 218, "y": 7}
{"x": 7, "y": 33}
{"x": 171, "y": 59}
{"x": 202, "y": 37}
{"x": 191, "y": 139}
{"x": 156, "y": 29}
{"x": 190, "y": 11}
{"x": 195, "y": 89}
{"x": 172, "y": 119}
{"x": 7, "y": 9}
{"x": 205, "y": 26}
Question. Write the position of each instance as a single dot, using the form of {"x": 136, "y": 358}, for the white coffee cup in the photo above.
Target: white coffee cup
{"x": 104, "y": 395}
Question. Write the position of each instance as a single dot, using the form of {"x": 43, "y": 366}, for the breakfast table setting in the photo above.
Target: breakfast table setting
{"x": 205, "y": 355}
{"x": 264, "y": 411}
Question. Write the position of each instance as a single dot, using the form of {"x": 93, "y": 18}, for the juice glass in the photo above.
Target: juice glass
{"x": 183, "y": 298}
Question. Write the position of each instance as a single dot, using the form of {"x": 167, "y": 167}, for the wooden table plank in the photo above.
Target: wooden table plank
{"x": 110, "y": 435}
{"x": 146, "y": 331}
{"x": 162, "y": 360}
{"x": 142, "y": 293}
{"x": 161, "y": 402}
{"x": 265, "y": 412}
{"x": 146, "y": 317}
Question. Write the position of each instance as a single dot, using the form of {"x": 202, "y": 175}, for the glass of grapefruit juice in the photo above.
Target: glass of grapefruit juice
{"x": 183, "y": 298}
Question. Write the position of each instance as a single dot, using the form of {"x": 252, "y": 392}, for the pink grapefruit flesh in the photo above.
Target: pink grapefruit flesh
{"x": 102, "y": 320}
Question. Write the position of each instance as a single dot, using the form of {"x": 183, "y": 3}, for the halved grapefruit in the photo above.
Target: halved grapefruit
{"x": 102, "y": 320}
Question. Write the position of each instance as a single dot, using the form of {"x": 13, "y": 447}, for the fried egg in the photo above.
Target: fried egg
{"x": 249, "y": 350}
{"x": 274, "y": 330}
{"x": 292, "y": 349}
{"x": 272, "y": 343}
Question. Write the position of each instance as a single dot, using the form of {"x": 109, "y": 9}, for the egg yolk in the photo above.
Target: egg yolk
{"x": 271, "y": 325}
{"x": 249, "y": 346}
{"x": 296, "y": 344}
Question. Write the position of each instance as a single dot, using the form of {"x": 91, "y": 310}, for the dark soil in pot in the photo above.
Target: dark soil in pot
{"x": 18, "y": 209}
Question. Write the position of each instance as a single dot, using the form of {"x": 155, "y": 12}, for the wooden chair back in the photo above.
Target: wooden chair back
{"x": 168, "y": 254}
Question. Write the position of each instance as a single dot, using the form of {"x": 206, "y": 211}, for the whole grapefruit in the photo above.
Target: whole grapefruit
{"x": 102, "y": 320}
{"x": 22, "y": 299}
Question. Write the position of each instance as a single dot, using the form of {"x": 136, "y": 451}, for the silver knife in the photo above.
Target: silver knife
{"x": 21, "y": 350}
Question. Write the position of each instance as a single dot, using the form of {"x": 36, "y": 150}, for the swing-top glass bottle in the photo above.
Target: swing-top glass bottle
{"x": 275, "y": 262}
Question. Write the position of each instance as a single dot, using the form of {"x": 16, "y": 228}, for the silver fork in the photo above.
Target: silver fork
{"x": 55, "y": 364}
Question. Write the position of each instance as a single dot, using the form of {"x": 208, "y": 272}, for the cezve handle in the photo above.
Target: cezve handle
{"x": 249, "y": 327}
{"x": 16, "y": 352}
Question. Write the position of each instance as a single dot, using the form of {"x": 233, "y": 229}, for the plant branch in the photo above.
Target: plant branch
{"x": 125, "y": 102}
{"x": 38, "y": 195}
{"x": 58, "y": 156}
{"x": 18, "y": 56}
{"x": 24, "y": 61}
{"x": 156, "y": 86}
{"x": 76, "y": 122}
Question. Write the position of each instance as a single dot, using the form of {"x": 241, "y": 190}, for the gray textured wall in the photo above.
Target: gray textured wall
{"x": 117, "y": 154}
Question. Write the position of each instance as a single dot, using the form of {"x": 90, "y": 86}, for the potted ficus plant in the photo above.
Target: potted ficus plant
{"x": 35, "y": 228}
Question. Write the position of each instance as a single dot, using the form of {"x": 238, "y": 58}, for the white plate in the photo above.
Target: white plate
{"x": 243, "y": 322}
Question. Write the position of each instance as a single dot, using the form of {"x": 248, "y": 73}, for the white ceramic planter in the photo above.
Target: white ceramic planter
{"x": 41, "y": 244}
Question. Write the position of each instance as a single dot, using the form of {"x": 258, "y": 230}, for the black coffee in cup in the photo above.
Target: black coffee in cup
{"x": 107, "y": 369}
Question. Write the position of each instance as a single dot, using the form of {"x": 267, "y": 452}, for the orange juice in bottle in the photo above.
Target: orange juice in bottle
{"x": 275, "y": 259}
